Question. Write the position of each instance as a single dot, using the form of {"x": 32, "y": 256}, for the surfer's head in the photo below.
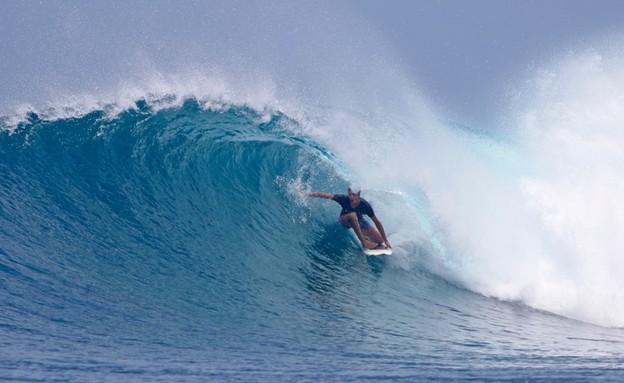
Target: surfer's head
{"x": 354, "y": 197}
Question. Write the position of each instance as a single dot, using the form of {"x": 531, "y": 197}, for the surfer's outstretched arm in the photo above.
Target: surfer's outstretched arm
{"x": 319, "y": 195}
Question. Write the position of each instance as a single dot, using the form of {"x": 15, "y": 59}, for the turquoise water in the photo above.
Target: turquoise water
{"x": 169, "y": 245}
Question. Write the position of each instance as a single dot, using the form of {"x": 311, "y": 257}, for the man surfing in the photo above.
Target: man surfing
{"x": 352, "y": 217}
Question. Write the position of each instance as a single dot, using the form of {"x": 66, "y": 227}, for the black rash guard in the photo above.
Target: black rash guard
{"x": 363, "y": 208}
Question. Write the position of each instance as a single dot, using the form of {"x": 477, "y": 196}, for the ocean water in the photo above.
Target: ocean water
{"x": 151, "y": 228}
{"x": 166, "y": 243}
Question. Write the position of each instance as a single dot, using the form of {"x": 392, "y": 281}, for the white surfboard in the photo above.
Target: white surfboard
{"x": 379, "y": 250}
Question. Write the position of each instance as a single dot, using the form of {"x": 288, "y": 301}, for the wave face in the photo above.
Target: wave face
{"x": 169, "y": 244}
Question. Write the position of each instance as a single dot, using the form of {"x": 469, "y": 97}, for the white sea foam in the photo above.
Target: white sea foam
{"x": 212, "y": 89}
{"x": 530, "y": 213}
{"x": 572, "y": 131}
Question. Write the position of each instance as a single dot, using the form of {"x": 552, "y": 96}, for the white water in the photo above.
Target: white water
{"x": 532, "y": 214}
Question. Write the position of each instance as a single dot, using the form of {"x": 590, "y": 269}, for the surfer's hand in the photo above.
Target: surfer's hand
{"x": 388, "y": 245}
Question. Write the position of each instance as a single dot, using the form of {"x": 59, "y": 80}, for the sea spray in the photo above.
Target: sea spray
{"x": 528, "y": 212}
{"x": 572, "y": 131}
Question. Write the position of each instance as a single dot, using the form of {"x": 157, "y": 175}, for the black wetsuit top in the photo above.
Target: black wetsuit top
{"x": 363, "y": 208}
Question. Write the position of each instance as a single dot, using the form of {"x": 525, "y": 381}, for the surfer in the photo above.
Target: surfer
{"x": 352, "y": 217}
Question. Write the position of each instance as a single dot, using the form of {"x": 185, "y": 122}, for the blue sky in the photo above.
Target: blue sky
{"x": 462, "y": 54}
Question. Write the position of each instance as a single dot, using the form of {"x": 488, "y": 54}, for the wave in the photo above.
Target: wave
{"x": 160, "y": 218}
{"x": 175, "y": 190}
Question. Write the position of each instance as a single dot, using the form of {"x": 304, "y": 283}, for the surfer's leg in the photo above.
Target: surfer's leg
{"x": 351, "y": 220}
{"x": 373, "y": 235}
{"x": 370, "y": 233}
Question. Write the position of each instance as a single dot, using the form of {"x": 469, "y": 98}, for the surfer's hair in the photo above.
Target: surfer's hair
{"x": 352, "y": 192}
